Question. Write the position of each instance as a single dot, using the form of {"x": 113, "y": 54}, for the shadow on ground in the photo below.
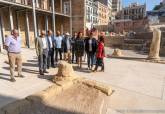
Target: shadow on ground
{"x": 31, "y": 105}
{"x": 84, "y": 70}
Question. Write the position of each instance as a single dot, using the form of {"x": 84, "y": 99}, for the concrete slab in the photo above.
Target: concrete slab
{"x": 140, "y": 77}
{"x": 128, "y": 102}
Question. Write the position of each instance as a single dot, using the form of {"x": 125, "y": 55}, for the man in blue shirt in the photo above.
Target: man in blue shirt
{"x": 13, "y": 47}
{"x": 58, "y": 45}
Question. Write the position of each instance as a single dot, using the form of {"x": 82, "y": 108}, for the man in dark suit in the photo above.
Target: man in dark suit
{"x": 90, "y": 48}
{"x": 50, "y": 40}
{"x": 73, "y": 41}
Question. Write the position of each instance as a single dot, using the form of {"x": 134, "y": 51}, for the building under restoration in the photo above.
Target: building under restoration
{"x": 32, "y": 16}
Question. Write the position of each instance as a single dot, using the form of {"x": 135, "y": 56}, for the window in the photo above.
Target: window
{"x": 67, "y": 8}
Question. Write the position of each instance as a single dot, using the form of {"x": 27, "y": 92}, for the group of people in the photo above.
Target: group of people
{"x": 52, "y": 48}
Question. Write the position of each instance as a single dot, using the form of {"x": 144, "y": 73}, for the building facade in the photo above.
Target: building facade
{"x": 103, "y": 14}
{"x": 97, "y": 14}
{"x": 32, "y": 16}
{"x": 134, "y": 11}
{"x": 127, "y": 25}
{"x": 108, "y": 3}
{"x": 91, "y": 13}
{"x": 116, "y": 7}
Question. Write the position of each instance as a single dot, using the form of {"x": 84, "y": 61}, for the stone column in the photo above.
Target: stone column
{"x": 53, "y": 17}
{"x": 17, "y": 18}
{"x": 11, "y": 19}
{"x": 71, "y": 17}
{"x": 61, "y": 6}
{"x": 46, "y": 23}
{"x": 155, "y": 45}
{"x": 27, "y": 30}
{"x": 34, "y": 19}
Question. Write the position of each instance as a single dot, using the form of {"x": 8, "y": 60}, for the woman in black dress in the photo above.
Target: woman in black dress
{"x": 79, "y": 48}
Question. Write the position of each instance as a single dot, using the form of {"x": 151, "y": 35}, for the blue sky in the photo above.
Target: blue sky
{"x": 150, "y": 3}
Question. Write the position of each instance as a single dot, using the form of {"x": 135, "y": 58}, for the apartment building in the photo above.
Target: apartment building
{"x": 91, "y": 13}
{"x": 134, "y": 11}
{"x": 108, "y": 3}
{"x": 32, "y": 16}
{"x": 103, "y": 14}
{"x": 116, "y": 7}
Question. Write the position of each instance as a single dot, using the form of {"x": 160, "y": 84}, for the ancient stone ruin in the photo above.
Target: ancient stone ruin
{"x": 155, "y": 45}
{"x": 117, "y": 53}
{"x": 70, "y": 94}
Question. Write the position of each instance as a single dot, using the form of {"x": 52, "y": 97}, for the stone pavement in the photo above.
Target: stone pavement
{"x": 139, "y": 87}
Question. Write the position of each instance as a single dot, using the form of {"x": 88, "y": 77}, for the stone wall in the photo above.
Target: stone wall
{"x": 78, "y": 19}
{"x": 114, "y": 41}
{"x": 162, "y": 47}
{"x": 135, "y": 25}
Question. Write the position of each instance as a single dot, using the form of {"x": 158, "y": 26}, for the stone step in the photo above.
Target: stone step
{"x": 134, "y": 41}
{"x": 133, "y": 46}
{"x": 111, "y": 111}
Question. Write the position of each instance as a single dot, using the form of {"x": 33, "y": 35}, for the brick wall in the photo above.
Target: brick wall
{"x": 136, "y": 25}
{"x": 66, "y": 24}
{"x": 78, "y": 15}
{"x": 114, "y": 41}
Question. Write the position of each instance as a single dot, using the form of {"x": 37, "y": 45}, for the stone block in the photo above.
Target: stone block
{"x": 100, "y": 86}
{"x": 65, "y": 72}
{"x": 117, "y": 53}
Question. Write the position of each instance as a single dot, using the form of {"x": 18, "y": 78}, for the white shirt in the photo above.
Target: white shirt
{"x": 90, "y": 44}
{"x": 44, "y": 43}
{"x": 50, "y": 40}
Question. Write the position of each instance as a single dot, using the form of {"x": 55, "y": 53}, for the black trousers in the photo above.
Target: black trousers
{"x": 99, "y": 62}
{"x": 42, "y": 60}
{"x": 90, "y": 57}
{"x": 74, "y": 55}
{"x": 50, "y": 59}
{"x": 58, "y": 51}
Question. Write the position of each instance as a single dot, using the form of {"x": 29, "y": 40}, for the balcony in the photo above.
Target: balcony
{"x": 62, "y": 7}
{"x": 22, "y": 2}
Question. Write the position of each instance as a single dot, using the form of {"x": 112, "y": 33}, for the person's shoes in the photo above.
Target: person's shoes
{"x": 46, "y": 71}
{"x": 94, "y": 71}
{"x": 53, "y": 66}
{"x": 41, "y": 73}
{"x": 21, "y": 76}
{"x": 47, "y": 67}
{"x": 12, "y": 80}
{"x": 101, "y": 70}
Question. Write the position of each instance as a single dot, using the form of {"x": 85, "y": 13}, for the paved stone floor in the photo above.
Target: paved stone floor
{"x": 139, "y": 87}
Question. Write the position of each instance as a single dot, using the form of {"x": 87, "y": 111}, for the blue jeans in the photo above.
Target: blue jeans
{"x": 90, "y": 57}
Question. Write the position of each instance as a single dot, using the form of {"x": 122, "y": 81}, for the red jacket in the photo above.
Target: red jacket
{"x": 100, "y": 50}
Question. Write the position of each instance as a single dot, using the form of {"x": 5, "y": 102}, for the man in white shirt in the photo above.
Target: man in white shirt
{"x": 42, "y": 49}
{"x": 58, "y": 45}
{"x": 50, "y": 40}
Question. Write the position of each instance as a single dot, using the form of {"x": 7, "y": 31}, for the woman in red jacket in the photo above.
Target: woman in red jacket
{"x": 100, "y": 54}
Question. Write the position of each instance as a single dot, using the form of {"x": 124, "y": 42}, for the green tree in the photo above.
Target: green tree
{"x": 157, "y": 7}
